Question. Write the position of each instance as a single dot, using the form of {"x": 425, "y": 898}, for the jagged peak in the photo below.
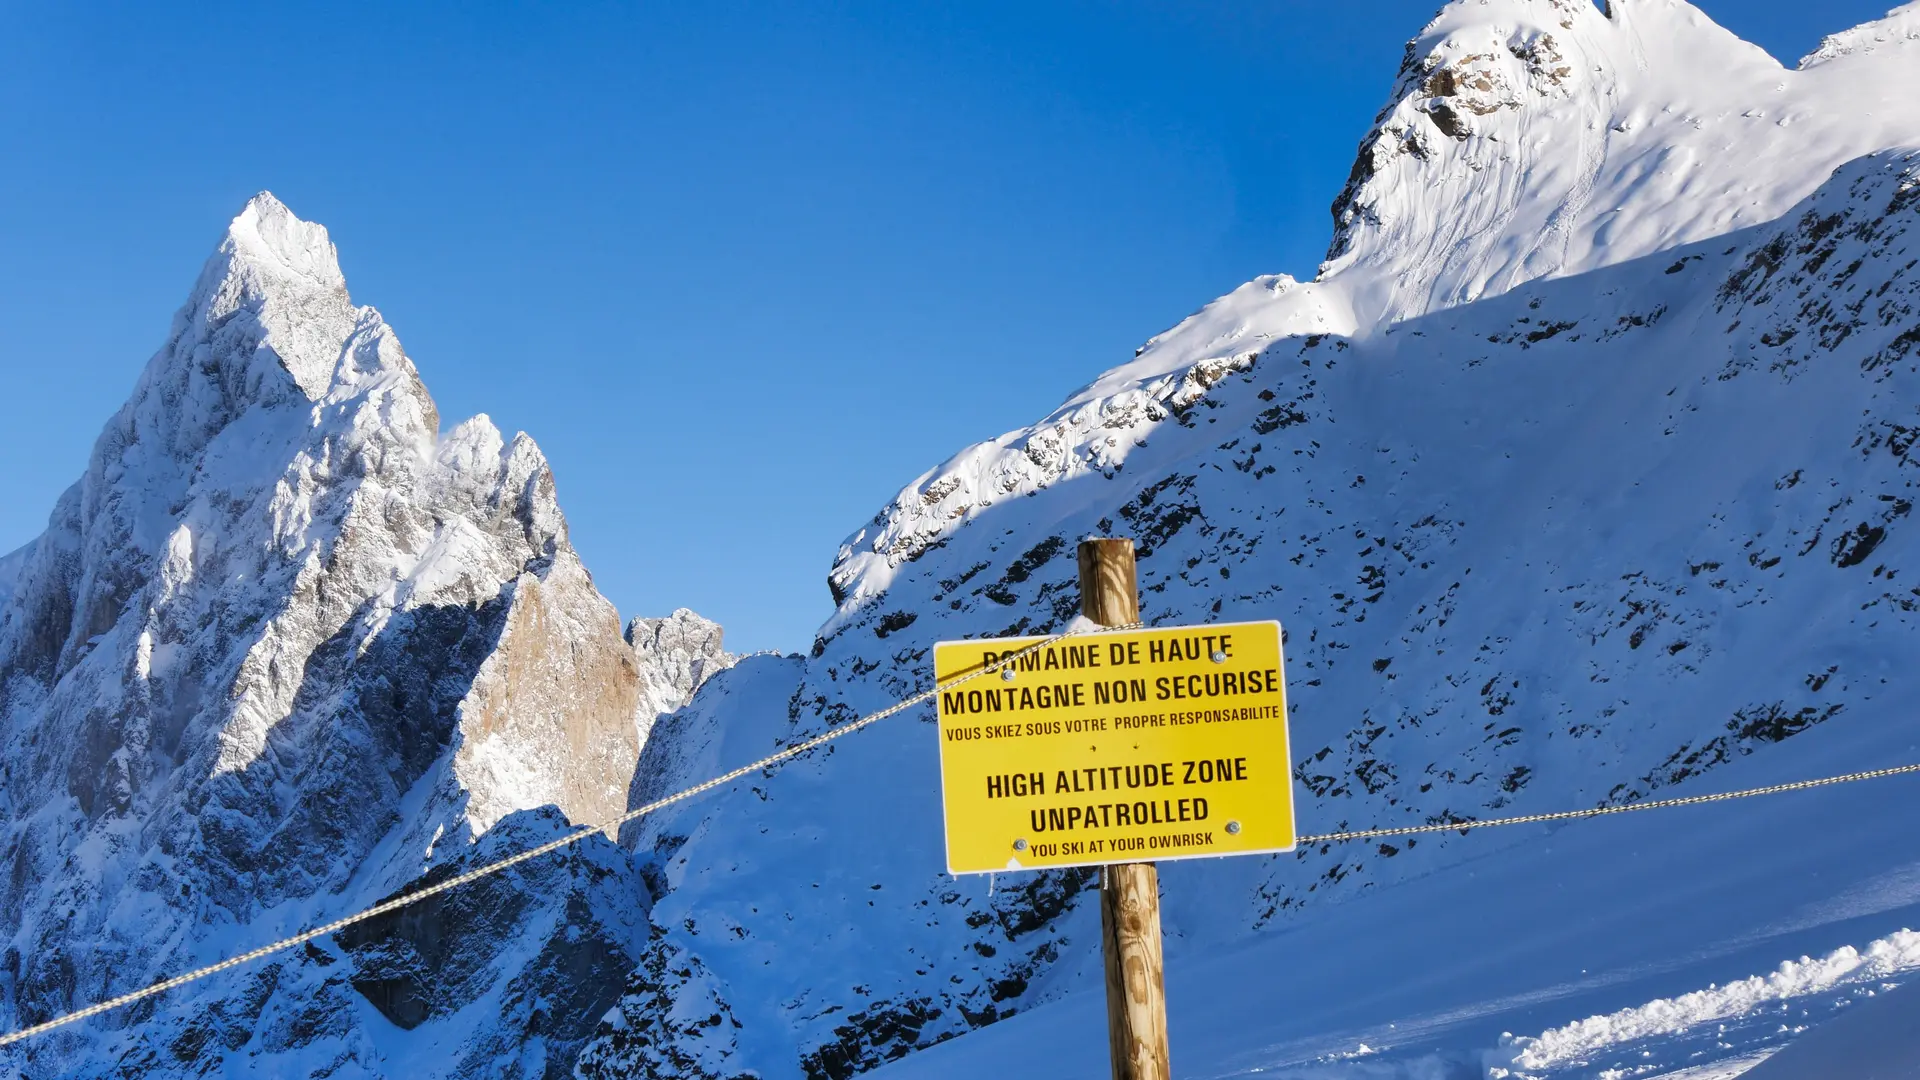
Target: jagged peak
{"x": 1460, "y": 15}
{"x": 683, "y": 629}
{"x": 473, "y": 442}
{"x": 511, "y": 475}
{"x": 267, "y": 333}
{"x": 1527, "y": 139}
{"x": 265, "y": 249}
{"x": 265, "y": 230}
{"x": 285, "y": 273}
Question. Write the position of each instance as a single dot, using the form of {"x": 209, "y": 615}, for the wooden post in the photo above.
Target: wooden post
{"x": 1130, "y": 897}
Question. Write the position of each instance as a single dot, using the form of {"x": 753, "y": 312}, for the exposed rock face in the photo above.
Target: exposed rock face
{"x": 682, "y": 1026}
{"x": 674, "y": 1019}
{"x": 676, "y": 654}
{"x": 554, "y": 716}
{"x": 282, "y": 649}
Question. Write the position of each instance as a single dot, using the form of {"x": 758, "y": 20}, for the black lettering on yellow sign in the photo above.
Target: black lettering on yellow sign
{"x": 1116, "y": 815}
{"x": 1196, "y": 647}
{"x": 1064, "y": 695}
{"x": 1013, "y": 699}
{"x": 1217, "y": 684}
{"x": 1016, "y": 785}
{"x": 1114, "y": 777}
{"x": 1051, "y": 658}
{"x": 1117, "y": 777}
{"x": 1119, "y": 691}
{"x": 1142, "y": 744}
{"x": 1214, "y": 771}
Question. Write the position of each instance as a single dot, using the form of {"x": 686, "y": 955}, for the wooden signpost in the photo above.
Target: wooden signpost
{"x": 1130, "y": 891}
{"x": 1110, "y": 749}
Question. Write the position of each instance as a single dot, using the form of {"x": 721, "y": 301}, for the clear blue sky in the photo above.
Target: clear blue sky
{"x": 743, "y": 270}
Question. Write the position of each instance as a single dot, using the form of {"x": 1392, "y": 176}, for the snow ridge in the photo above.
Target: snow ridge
{"x": 1578, "y": 473}
{"x": 1890, "y": 36}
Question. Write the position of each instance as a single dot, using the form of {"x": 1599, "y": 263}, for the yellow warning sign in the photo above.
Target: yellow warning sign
{"x": 1132, "y": 746}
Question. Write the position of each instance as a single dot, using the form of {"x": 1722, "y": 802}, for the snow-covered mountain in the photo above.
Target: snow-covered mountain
{"x": 1580, "y": 471}
{"x": 284, "y": 648}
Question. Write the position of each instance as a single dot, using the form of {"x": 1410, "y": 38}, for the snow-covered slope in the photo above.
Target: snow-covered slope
{"x": 1684, "y": 945}
{"x": 1580, "y": 471}
{"x": 1876, "y": 1040}
{"x": 282, "y": 649}
{"x": 1541, "y": 138}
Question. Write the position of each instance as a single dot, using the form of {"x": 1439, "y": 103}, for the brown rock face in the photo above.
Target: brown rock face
{"x": 554, "y": 706}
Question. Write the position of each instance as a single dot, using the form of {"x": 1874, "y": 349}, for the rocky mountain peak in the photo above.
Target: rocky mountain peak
{"x": 1530, "y": 139}
{"x": 1579, "y": 455}
{"x": 678, "y": 653}
{"x": 272, "y": 283}
{"x": 267, "y": 234}
{"x": 284, "y": 647}
{"x": 1892, "y": 38}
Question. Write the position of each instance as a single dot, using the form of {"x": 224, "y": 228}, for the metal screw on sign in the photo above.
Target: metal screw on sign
{"x": 1007, "y": 674}
{"x": 1020, "y": 844}
{"x": 1219, "y": 657}
{"x": 1233, "y": 827}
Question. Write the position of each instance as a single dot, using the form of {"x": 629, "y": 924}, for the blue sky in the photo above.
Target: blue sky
{"x": 743, "y": 270}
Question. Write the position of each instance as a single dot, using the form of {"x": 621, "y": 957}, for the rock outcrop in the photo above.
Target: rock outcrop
{"x": 676, "y": 655}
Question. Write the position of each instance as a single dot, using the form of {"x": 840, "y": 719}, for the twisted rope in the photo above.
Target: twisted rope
{"x": 781, "y": 756}
{"x": 1603, "y": 811}
{"x": 398, "y": 902}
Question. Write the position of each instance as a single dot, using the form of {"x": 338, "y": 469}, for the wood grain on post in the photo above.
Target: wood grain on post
{"x": 1109, "y": 591}
{"x": 1136, "y": 981}
{"x": 1130, "y": 900}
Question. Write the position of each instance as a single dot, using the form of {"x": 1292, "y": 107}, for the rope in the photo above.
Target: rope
{"x": 782, "y": 756}
{"x": 1602, "y": 811}
{"x": 581, "y": 833}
